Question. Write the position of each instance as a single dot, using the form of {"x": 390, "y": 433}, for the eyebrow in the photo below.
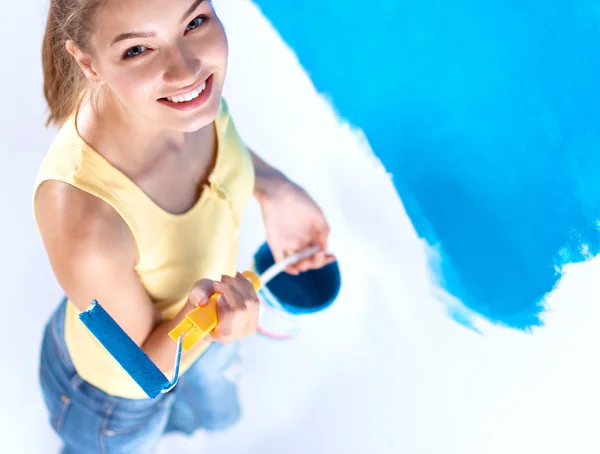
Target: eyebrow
{"x": 132, "y": 35}
{"x": 190, "y": 10}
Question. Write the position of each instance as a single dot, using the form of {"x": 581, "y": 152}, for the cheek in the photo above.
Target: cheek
{"x": 225, "y": 47}
{"x": 224, "y": 50}
{"x": 223, "y": 43}
{"x": 132, "y": 85}
{"x": 219, "y": 48}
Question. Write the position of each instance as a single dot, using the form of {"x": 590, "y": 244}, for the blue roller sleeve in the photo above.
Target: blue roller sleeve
{"x": 127, "y": 353}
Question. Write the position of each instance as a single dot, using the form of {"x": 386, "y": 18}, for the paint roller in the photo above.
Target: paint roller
{"x": 196, "y": 325}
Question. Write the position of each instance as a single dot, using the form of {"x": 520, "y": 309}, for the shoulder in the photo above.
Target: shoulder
{"x": 81, "y": 233}
{"x": 93, "y": 256}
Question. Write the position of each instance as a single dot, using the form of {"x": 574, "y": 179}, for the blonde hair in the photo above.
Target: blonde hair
{"x": 64, "y": 82}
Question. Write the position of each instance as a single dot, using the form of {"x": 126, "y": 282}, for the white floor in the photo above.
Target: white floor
{"x": 385, "y": 370}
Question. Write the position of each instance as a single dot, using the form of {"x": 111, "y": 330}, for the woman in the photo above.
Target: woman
{"x": 138, "y": 202}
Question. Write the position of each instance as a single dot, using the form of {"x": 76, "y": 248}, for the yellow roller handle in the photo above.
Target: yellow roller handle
{"x": 202, "y": 320}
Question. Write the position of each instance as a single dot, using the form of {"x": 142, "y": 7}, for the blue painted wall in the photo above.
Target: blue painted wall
{"x": 488, "y": 115}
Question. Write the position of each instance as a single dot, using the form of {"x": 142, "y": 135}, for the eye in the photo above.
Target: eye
{"x": 134, "y": 51}
{"x": 195, "y": 23}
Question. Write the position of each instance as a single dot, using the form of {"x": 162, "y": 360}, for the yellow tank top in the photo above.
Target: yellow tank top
{"x": 174, "y": 250}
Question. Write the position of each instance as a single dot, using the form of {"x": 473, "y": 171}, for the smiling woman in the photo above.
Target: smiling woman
{"x": 144, "y": 61}
{"x": 138, "y": 202}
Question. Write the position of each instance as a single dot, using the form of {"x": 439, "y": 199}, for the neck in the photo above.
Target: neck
{"x": 128, "y": 137}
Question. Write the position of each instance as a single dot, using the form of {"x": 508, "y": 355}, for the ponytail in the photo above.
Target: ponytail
{"x": 64, "y": 82}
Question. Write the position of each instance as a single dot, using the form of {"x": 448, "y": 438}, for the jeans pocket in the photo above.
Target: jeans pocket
{"x": 135, "y": 430}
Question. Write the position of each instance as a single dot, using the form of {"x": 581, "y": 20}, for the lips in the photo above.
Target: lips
{"x": 188, "y": 94}
{"x": 190, "y": 98}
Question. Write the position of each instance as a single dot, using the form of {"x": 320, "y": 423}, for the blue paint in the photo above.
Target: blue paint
{"x": 125, "y": 351}
{"x": 306, "y": 293}
{"x": 487, "y": 114}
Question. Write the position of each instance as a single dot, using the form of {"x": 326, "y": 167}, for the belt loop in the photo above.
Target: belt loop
{"x": 76, "y": 382}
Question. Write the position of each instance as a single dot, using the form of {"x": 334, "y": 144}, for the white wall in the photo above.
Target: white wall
{"x": 384, "y": 370}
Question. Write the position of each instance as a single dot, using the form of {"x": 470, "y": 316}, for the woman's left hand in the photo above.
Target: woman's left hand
{"x": 294, "y": 222}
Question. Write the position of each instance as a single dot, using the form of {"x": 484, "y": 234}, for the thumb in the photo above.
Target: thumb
{"x": 201, "y": 292}
{"x": 322, "y": 238}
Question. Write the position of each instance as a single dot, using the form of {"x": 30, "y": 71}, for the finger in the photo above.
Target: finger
{"x": 329, "y": 260}
{"x": 293, "y": 270}
{"x": 304, "y": 265}
{"x": 247, "y": 289}
{"x": 225, "y": 313}
{"x": 319, "y": 256}
{"x": 251, "y": 312}
{"x": 278, "y": 256}
{"x": 323, "y": 237}
{"x": 320, "y": 261}
{"x": 311, "y": 262}
{"x": 316, "y": 261}
{"x": 325, "y": 260}
{"x": 237, "y": 292}
{"x": 287, "y": 252}
{"x": 231, "y": 295}
{"x": 201, "y": 292}
{"x": 243, "y": 300}
{"x": 300, "y": 266}
{"x": 243, "y": 285}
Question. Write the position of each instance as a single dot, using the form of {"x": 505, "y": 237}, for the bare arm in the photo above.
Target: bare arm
{"x": 293, "y": 221}
{"x": 93, "y": 254}
{"x": 268, "y": 179}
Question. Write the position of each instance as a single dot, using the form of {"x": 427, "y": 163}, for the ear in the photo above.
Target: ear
{"x": 84, "y": 61}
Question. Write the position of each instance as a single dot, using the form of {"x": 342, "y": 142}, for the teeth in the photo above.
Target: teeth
{"x": 188, "y": 96}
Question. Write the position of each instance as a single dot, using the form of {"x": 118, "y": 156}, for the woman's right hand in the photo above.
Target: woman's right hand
{"x": 237, "y": 306}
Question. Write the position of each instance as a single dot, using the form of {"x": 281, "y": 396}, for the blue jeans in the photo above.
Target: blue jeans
{"x": 90, "y": 421}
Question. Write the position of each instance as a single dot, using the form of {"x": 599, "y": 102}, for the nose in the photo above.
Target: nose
{"x": 182, "y": 67}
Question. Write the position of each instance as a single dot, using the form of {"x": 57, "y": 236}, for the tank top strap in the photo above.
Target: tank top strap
{"x": 71, "y": 160}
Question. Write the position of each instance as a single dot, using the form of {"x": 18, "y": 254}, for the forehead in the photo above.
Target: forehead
{"x": 124, "y": 16}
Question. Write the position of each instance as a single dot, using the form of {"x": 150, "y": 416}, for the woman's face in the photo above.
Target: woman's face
{"x": 163, "y": 61}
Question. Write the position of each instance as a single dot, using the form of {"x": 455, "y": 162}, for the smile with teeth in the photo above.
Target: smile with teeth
{"x": 188, "y": 96}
